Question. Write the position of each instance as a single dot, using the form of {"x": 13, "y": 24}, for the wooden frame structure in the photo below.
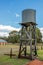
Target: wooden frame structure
{"x": 28, "y": 36}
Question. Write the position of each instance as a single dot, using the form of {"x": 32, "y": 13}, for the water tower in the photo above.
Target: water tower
{"x": 28, "y": 33}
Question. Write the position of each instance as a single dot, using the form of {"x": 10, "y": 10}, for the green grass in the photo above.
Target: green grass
{"x": 40, "y": 54}
{"x": 5, "y": 60}
{"x": 14, "y": 61}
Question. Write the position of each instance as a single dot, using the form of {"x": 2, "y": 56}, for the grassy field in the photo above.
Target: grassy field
{"x": 5, "y": 60}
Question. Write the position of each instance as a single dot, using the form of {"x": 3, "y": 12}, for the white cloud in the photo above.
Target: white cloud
{"x": 17, "y": 15}
{"x": 4, "y": 28}
{"x": 41, "y": 30}
{"x": 4, "y": 34}
{"x": 9, "y": 28}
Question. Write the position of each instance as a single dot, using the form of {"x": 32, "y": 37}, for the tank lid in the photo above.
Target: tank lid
{"x": 29, "y": 9}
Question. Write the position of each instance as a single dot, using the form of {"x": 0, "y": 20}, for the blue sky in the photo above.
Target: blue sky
{"x": 11, "y": 11}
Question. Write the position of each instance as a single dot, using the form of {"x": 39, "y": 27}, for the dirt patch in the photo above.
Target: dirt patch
{"x": 35, "y": 62}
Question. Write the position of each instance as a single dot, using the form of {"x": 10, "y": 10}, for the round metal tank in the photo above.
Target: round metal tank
{"x": 29, "y": 15}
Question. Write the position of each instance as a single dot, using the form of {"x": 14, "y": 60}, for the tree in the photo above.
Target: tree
{"x": 38, "y": 35}
{"x": 13, "y": 37}
{"x": 4, "y": 38}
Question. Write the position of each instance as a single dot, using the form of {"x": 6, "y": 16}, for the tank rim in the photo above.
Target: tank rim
{"x": 28, "y": 10}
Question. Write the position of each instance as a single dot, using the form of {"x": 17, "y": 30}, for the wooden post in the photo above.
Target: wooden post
{"x": 25, "y": 44}
{"x": 11, "y": 53}
{"x": 35, "y": 40}
{"x": 30, "y": 41}
{"x": 20, "y": 44}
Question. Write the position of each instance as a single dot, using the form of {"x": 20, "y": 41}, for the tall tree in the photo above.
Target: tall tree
{"x": 13, "y": 37}
{"x": 38, "y": 35}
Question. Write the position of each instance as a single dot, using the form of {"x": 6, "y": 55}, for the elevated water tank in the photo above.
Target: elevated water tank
{"x": 29, "y": 15}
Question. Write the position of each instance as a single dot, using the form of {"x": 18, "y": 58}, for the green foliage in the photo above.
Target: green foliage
{"x": 38, "y": 35}
{"x": 13, "y": 39}
{"x": 14, "y": 36}
{"x": 4, "y": 38}
{"x": 13, "y": 32}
